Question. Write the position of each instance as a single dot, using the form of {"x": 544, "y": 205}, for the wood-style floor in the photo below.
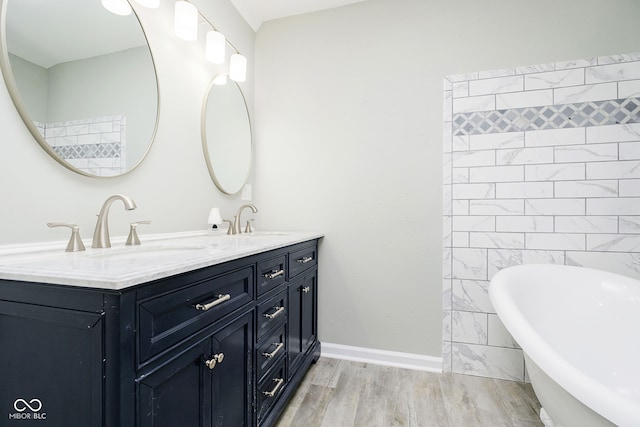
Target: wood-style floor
{"x": 339, "y": 393}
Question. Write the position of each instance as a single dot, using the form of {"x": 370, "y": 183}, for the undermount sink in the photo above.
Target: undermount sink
{"x": 146, "y": 251}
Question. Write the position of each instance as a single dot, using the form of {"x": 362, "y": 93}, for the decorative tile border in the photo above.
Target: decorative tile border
{"x": 541, "y": 165}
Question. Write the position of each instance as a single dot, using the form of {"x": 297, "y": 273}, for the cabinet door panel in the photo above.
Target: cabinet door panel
{"x": 232, "y": 379}
{"x": 179, "y": 392}
{"x": 302, "y": 322}
{"x": 48, "y": 358}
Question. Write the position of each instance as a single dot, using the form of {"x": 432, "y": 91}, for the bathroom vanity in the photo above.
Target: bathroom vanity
{"x": 197, "y": 331}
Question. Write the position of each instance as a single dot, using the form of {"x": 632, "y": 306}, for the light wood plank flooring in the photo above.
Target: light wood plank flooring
{"x": 339, "y": 393}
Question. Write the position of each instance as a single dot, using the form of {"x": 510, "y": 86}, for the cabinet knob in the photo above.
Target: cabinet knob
{"x": 306, "y": 289}
{"x": 217, "y": 358}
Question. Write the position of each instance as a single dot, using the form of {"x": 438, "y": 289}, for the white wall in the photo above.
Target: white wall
{"x": 349, "y": 131}
{"x": 172, "y": 187}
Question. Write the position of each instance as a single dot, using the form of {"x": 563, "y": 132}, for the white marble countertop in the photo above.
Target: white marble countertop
{"x": 121, "y": 266}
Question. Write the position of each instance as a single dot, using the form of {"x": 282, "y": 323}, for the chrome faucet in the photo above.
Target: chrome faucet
{"x": 101, "y": 234}
{"x": 236, "y": 227}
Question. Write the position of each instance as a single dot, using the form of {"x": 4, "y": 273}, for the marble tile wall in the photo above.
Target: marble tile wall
{"x": 96, "y": 146}
{"x": 541, "y": 165}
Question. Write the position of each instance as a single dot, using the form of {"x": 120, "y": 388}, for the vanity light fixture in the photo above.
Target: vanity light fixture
{"x": 118, "y": 7}
{"x": 215, "y": 47}
{"x": 220, "y": 80}
{"x": 238, "y": 67}
{"x": 185, "y": 22}
{"x": 151, "y": 4}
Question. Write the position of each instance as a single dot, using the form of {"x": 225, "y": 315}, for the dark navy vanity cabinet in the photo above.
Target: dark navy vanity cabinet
{"x": 224, "y": 345}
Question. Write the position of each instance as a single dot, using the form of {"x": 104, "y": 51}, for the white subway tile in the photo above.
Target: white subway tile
{"x": 474, "y": 103}
{"x": 616, "y": 262}
{"x": 629, "y": 151}
{"x": 460, "y": 143}
{"x": 586, "y": 153}
{"x": 89, "y": 139}
{"x": 553, "y": 79}
{"x": 446, "y": 231}
{"x": 561, "y": 172}
{"x": 617, "y": 58}
{"x": 469, "y": 327}
{"x": 460, "y": 89}
{"x": 487, "y": 361}
{"x": 614, "y": 170}
{"x": 586, "y": 93}
{"x": 556, "y": 241}
{"x": 460, "y": 207}
{"x": 613, "y": 133}
{"x": 613, "y": 242}
{"x": 562, "y": 65}
{"x": 497, "y": 140}
{"x": 524, "y": 99}
{"x": 524, "y": 190}
{"x": 471, "y": 295}
{"x": 460, "y": 175}
{"x": 469, "y": 263}
{"x": 521, "y": 156}
{"x": 539, "y": 68}
{"x": 629, "y": 89}
{"x": 555, "y": 207}
{"x": 474, "y": 223}
{"x": 496, "y": 207}
{"x": 595, "y": 188}
{"x": 586, "y": 224}
{"x": 460, "y": 239}
{"x": 446, "y": 168}
{"x": 104, "y": 127}
{"x": 474, "y": 191}
{"x": 629, "y": 187}
{"x": 554, "y": 137}
{"x": 496, "y": 174}
{"x": 613, "y": 72}
{"x": 447, "y": 261}
{"x": 502, "y": 258}
{"x": 78, "y": 129}
{"x": 447, "y": 84}
{"x": 529, "y": 224}
{"x": 501, "y": 72}
{"x": 629, "y": 224}
{"x": 614, "y": 206}
{"x": 498, "y": 335}
{"x": 447, "y": 100}
{"x": 496, "y": 240}
{"x": 496, "y": 85}
{"x": 474, "y": 158}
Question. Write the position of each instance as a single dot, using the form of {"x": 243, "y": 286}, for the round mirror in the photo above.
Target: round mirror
{"x": 83, "y": 80}
{"x": 226, "y": 136}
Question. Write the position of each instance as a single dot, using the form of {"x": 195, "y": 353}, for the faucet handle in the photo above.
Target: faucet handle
{"x": 75, "y": 242}
{"x": 133, "y": 239}
{"x": 230, "y": 229}
{"x": 248, "y": 228}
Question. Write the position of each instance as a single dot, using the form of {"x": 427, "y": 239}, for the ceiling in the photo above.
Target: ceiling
{"x": 255, "y": 12}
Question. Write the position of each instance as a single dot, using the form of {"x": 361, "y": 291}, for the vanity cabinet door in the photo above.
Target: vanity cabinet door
{"x": 49, "y": 358}
{"x": 303, "y": 324}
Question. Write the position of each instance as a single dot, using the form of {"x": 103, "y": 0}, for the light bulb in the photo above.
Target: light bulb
{"x": 238, "y": 68}
{"x": 186, "y": 21}
{"x": 119, "y": 7}
{"x": 215, "y": 47}
{"x": 152, "y": 4}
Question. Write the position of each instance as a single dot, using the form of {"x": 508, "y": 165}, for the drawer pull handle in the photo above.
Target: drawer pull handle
{"x": 304, "y": 260}
{"x": 306, "y": 289}
{"x": 279, "y": 382}
{"x": 278, "y": 345}
{"x": 278, "y": 312}
{"x": 217, "y": 358}
{"x": 219, "y": 300}
{"x": 274, "y": 274}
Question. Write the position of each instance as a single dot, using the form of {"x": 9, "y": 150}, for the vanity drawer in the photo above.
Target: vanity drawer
{"x": 271, "y": 273}
{"x": 269, "y": 389}
{"x": 302, "y": 259}
{"x": 270, "y": 351}
{"x": 271, "y": 313}
{"x": 169, "y": 318}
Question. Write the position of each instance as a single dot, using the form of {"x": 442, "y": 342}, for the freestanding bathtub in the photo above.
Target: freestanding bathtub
{"x": 580, "y": 331}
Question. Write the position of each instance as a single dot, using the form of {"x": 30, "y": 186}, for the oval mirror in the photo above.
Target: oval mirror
{"x": 83, "y": 80}
{"x": 226, "y": 136}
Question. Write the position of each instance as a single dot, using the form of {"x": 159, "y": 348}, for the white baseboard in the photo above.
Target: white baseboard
{"x": 382, "y": 357}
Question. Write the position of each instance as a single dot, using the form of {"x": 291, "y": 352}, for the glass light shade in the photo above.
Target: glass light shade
{"x": 215, "y": 47}
{"x": 119, "y": 7}
{"x": 238, "y": 68}
{"x": 214, "y": 217}
{"x": 185, "y": 22}
{"x": 152, "y": 4}
{"x": 220, "y": 80}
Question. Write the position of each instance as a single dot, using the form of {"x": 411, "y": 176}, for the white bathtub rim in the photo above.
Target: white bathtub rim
{"x": 615, "y": 407}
